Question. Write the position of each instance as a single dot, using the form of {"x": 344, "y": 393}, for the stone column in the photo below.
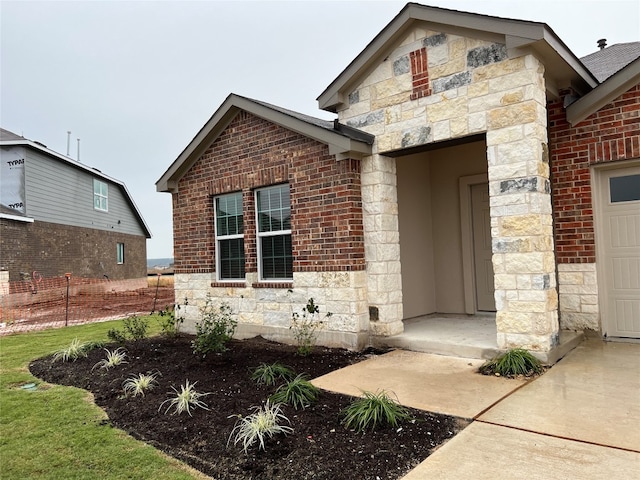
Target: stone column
{"x": 521, "y": 221}
{"x": 382, "y": 244}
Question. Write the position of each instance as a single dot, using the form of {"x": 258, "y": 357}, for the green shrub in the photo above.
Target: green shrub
{"x": 215, "y": 330}
{"x": 133, "y": 328}
{"x": 305, "y": 326}
{"x": 374, "y": 410}
{"x": 114, "y": 358}
{"x": 139, "y": 385}
{"x": 512, "y": 363}
{"x": 264, "y": 423}
{"x": 171, "y": 320}
{"x": 265, "y": 374}
{"x": 185, "y": 399}
{"x": 298, "y": 393}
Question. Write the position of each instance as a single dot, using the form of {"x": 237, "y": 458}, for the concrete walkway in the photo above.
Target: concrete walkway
{"x": 580, "y": 420}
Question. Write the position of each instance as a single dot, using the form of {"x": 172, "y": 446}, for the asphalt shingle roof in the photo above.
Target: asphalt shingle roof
{"x": 610, "y": 60}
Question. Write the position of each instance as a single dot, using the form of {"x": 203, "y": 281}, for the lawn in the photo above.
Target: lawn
{"x": 57, "y": 432}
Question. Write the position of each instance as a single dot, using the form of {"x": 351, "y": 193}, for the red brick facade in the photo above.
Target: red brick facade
{"x": 611, "y": 134}
{"x": 53, "y": 249}
{"x": 419, "y": 74}
{"x": 326, "y": 208}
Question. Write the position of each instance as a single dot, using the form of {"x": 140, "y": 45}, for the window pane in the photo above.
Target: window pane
{"x": 229, "y": 214}
{"x": 624, "y": 189}
{"x": 231, "y": 254}
{"x": 274, "y": 210}
{"x": 120, "y": 252}
{"x": 277, "y": 258}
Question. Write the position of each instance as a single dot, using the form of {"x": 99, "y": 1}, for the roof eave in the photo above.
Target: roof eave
{"x": 518, "y": 34}
{"x": 338, "y": 143}
{"x": 610, "y": 89}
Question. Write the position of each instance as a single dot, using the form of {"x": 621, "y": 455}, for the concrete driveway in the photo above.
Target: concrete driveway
{"x": 580, "y": 420}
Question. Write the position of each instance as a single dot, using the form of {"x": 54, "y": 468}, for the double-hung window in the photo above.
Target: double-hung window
{"x": 100, "y": 195}
{"x": 273, "y": 209}
{"x": 229, "y": 236}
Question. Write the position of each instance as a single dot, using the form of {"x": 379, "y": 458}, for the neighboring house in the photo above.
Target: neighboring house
{"x": 59, "y": 216}
{"x": 476, "y": 165}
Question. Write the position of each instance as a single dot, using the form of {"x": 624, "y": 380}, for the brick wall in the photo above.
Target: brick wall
{"x": 326, "y": 208}
{"x": 611, "y": 134}
{"x": 54, "y": 249}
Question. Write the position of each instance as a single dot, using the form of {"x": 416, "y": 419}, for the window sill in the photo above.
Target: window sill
{"x": 272, "y": 285}
{"x": 229, "y": 284}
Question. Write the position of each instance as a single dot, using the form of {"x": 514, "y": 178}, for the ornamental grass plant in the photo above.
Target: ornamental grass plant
{"x": 374, "y": 410}
{"x": 513, "y": 363}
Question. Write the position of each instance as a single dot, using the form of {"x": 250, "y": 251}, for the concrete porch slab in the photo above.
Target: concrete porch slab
{"x": 464, "y": 336}
{"x": 430, "y": 382}
{"x": 482, "y": 451}
{"x": 592, "y": 395}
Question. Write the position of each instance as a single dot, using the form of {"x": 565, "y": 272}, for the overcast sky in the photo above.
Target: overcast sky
{"x": 135, "y": 81}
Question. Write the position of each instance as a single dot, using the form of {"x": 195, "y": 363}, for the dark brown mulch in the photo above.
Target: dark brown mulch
{"x": 320, "y": 447}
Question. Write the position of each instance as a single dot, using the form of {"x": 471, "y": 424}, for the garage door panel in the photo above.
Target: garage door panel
{"x": 619, "y": 252}
{"x": 625, "y": 230}
{"x": 626, "y": 273}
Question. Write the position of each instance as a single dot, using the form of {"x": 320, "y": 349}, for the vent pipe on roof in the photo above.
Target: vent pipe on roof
{"x": 68, "y": 142}
{"x": 602, "y": 43}
{"x": 78, "y": 157}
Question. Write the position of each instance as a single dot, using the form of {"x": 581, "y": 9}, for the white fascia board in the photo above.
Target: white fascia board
{"x": 17, "y": 218}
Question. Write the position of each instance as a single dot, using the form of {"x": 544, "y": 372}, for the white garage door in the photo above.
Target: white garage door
{"x": 619, "y": 235}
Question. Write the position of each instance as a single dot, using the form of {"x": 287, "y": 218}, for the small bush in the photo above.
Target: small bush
{"x": 265, "y": 374}
{"x": 374, "y": 410}
{"x": 299, "y": 393}
{"x": 133, "y": 328}
{"x": 171, "y": 320}
{"x": 215, "y": 330}
{"x": 74, "y": 351}
{"x": 139, "y": 385}
{"x": 512, "y": 363}
{"x": 264, "y": 423}
{"x": 305, "y": 326}
{"x": 185, "y": 399}
{"x": 114, "y": 358}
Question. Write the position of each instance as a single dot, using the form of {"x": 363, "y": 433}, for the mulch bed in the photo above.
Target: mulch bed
{"x": 320, "y": 447}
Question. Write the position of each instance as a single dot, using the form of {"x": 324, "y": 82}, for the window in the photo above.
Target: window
{"x": 120, "y": 253}
{"x": 100, "y": 195}
{"x": 273, "y": 209}
{"x": 624, "y": 189}
{"x": 229, "y": 237}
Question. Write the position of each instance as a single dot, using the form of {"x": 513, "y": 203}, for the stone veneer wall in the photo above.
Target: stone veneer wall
{"x": 610, "y": 134}
{"x": 473, "y": 87}
{"x": 268, "y": 311}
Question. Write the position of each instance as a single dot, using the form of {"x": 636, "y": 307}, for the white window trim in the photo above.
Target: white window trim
{"x": 218, "y": 238}
{"x": 118, "y": 253}
{"x": 260, "y": 235}
{"x": 106, "y": 197}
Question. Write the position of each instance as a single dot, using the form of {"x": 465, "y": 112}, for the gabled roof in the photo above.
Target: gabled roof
{"x": 612, "y": 59}
{"x": 562, "y": 65}
{"x": 8, "y": 138}
{"x": 343, "y": 141}
{"x": 613, "y": 87}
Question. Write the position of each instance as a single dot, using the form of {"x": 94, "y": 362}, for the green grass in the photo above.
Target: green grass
{"x": 58, "y": 432}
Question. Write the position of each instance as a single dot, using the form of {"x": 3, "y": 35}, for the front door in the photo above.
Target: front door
{"x": 481, "y": 232}
{"x": 619, "y": 235}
